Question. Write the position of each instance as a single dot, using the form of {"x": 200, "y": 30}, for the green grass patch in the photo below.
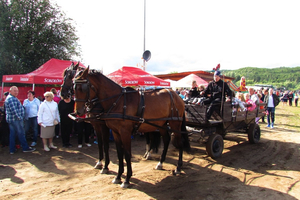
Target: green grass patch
{"x": 288, "y": 117}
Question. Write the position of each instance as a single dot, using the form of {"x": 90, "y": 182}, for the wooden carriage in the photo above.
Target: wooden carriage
{"x": 231, "y": 119}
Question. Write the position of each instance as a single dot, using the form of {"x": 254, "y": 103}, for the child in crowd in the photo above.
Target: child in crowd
{"x": 239, "y": 99}
{"x": 251, "y": 104}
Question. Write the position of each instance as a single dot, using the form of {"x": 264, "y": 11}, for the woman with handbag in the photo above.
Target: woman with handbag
{"x": 48, "y": 117}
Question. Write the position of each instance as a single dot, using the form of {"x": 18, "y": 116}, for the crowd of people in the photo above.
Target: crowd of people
{"x": 48, "y": 118}
{"x": 249, "y": 100}
{"x": 44, "y": 119}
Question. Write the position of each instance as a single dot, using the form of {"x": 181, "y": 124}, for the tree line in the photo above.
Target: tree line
{"x": 281, "y": 77}
{"x": 31, "y": 33}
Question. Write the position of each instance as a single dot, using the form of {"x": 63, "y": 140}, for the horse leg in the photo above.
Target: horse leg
{"x": 156, "y": 141}
{"x": 179, "y": 164}
{"x": 166, "y": 141}
{"x": 147, "y": 136}
{"x": 127, "y": 151}
{"x": 105, "y": 134}
{"x": 117, "y": 179}
{"x": 97, "y": 128}
{"x": 183, "y": 142}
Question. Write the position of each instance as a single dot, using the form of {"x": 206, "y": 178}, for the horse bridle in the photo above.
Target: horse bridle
{"x": 85, "y": 86}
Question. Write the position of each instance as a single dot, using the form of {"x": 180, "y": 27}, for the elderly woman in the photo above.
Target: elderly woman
{"x": 48, "y": 113}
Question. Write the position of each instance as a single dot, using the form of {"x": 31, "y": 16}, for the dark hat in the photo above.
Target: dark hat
{"x": 217, "y": 73}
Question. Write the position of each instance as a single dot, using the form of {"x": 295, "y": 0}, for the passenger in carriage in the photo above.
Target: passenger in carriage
{"x": 251, "y": 104}
{"x": 200, "y": 98}
{"x": 239, "y": 100}
{"x": 215, "y": 89}
{"x": 253, "y": 96}
{"x": 194, "y": 91}
{"x": 182, "y": 94}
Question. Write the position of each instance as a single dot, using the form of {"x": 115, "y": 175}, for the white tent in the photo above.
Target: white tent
{"x": 187, "y": 81}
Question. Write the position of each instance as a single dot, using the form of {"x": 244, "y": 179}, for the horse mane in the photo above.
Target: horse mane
{"x": 95, "y": 73}
{"x": 71, "y": 67}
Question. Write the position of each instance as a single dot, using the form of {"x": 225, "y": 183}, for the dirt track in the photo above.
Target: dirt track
{"x": 268, "y": 170}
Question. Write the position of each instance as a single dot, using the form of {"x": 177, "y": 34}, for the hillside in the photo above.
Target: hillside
{"x": 288, "y": 77}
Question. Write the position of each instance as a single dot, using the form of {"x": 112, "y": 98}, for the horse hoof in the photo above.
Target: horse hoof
{"x": 98, "y": 165}
{"x": 116, "y": 181}
{"x": 104, "y": 171}
{"x": 158, "y": 166}
{"x": 125, "y": 185}
{"x": 148, "y": 157}
{"x": 145, "y": 155}
{"x": 177, "y": 172}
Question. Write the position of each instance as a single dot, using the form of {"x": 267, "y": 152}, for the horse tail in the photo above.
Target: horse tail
{"x": 184, "y": 135}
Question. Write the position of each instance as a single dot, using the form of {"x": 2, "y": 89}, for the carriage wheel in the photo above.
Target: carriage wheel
{"x": 215, "y": 146}
{"x": 254, "y": 133}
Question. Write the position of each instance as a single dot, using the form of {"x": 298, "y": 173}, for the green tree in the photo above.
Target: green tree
{"x": 31, "y": 33}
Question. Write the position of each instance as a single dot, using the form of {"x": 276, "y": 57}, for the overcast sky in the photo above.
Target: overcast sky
{"x": 186, "y": 35}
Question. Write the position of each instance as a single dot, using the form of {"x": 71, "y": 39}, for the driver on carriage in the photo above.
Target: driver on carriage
{"x": 215, "y": 91}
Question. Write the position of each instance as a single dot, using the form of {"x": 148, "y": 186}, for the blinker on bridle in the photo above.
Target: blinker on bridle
{"x": 85, "y": 86}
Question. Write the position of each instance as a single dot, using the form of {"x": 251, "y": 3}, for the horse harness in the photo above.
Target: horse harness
{"x": 100, "y": 114}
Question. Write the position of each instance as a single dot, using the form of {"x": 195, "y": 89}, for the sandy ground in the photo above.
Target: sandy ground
{"x": 268, "y": 170}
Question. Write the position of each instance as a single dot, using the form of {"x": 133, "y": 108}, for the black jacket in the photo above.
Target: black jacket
{"x": 275, "y": 100}
{"x": 216, "y": 89}
{"x": 194, "y": 92}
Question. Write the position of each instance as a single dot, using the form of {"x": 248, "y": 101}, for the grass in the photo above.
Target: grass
{"x": 288, "y": 117}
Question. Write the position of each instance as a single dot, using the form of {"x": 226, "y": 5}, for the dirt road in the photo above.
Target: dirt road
{"x": 268, "y": 170}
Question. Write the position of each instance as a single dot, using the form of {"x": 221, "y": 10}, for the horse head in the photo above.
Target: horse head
{"x": 69, "y": 74}
{"x": 81, "y": 91}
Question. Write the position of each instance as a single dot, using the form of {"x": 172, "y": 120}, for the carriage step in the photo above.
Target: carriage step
{"x": 215, "y": 121}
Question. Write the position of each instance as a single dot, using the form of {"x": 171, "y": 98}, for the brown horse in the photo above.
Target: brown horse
{"x": 126, "y": 110}
{"x": 101, "y": 129}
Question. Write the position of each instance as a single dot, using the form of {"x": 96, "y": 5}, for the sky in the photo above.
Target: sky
{"x": 186, "y": 35}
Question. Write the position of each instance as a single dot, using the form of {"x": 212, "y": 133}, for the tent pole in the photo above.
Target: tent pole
{"x": 2, "y": 90}
{"x": 33, "y": 87}
{"x": 144, "y": 63}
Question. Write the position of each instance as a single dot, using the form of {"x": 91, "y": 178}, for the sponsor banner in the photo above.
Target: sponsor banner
{"x": 149, "y": 82}
{"x": 131, "y": 82}
{"x": 24, "y": 79}
{"x": 53, "y": 80}
{"x": 9, "y": 78}
{"x": 164, "y": 83}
